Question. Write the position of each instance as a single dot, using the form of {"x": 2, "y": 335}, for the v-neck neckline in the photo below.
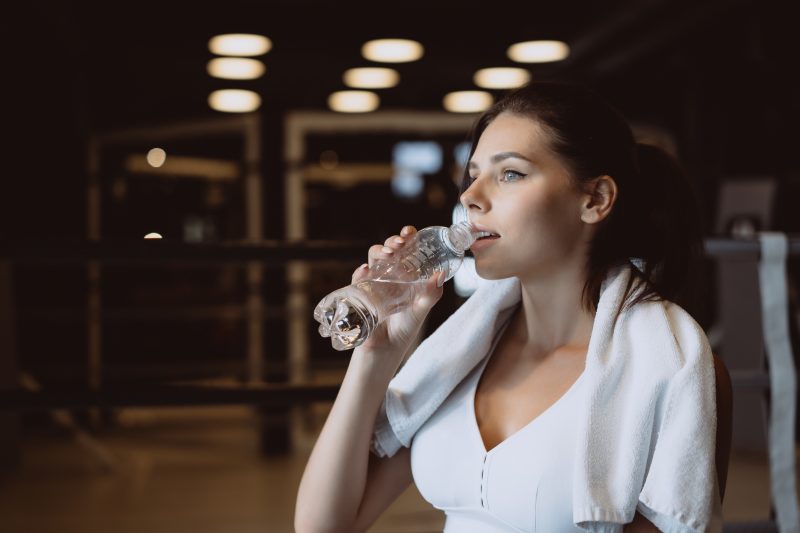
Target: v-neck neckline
{"x": 534, "y": 421}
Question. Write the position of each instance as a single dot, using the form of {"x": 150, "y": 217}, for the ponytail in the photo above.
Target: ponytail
{"x": 666, "y": 232}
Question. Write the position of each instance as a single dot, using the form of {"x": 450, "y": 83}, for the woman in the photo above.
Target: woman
{"x": 570, "y": 199}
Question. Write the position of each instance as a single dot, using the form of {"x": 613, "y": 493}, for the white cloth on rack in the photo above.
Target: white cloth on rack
{"x": 649, "y": 376}
{"x": 783, "y": 381}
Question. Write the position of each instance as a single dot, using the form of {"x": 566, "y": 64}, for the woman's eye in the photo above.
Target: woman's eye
{"x": 512, "y": 175}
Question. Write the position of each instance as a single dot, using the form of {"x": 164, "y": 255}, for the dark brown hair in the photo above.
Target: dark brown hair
{"x": 655, "y": 217}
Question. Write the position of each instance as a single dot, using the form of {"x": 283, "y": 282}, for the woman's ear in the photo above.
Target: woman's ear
{"x": 598, "y": 199}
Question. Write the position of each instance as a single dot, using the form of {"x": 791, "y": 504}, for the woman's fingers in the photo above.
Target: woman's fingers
{"x": 379, "y": 252}
{"x": 395, "y": 241}
{"x": 390, "y": 245}
{"x": 407, "y": 231}
{"x": 360, "y": 273}
{"x": 375, "y": 253}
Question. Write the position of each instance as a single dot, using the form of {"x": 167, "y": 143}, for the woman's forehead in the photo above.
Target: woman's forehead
{"x": 513, "y": 133}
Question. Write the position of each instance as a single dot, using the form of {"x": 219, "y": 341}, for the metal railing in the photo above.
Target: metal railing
{"x": 268, "y": 253}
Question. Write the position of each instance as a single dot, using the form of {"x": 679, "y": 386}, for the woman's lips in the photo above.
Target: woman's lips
{"x": 483, "y": 243}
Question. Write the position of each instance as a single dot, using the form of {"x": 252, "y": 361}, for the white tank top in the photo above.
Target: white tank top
{"x": 522, "y": 484}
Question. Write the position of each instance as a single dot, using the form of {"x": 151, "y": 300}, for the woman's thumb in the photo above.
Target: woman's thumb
{"x": 432, "y": 292}
{"x": 360, "y": 273}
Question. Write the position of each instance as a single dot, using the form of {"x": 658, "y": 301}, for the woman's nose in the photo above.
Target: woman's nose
{"x": 473, "y": 197}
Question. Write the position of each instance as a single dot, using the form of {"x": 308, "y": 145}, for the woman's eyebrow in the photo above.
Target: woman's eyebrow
{"x": 496, "y": 158}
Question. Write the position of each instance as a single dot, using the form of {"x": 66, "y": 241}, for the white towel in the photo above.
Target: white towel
{"x": 647, "y": 435}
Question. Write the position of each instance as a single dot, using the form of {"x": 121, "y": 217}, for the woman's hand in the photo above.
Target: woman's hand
{"x": 399, "y": 330}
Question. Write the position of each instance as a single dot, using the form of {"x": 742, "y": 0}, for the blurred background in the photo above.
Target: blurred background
{"x": 175, "y": 201}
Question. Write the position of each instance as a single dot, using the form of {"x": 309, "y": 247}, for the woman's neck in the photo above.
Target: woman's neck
{"x": 552, "y": 315}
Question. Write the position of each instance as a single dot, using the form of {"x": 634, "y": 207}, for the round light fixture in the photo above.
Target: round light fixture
{"x": 353, "y": 101}
{"x": 538, "y": 51}
{"x": 392, "y": 50}
{"x": 153, "y": 236}
{"x": 501, "y": 77}
{"x": 467, "y": 101}
{"x": 234, "y": 100}
{"x": 239, "y": 44}
{"x": 371, "y": 78}
{"x": 156, "y": 157}
{"x": 235, "y": 68}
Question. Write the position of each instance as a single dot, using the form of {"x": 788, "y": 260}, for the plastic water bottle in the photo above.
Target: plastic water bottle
{"x": 350, "y": 314}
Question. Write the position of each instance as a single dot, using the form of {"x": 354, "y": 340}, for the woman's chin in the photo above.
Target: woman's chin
{"x": 489, "y": 273}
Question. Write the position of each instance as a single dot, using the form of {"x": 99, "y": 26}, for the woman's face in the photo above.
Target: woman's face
{"x": 523, "y": 193}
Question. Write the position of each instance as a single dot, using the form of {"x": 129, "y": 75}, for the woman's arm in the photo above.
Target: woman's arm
{"x": 344, "y": 488}
{"x": 640, "y": 524}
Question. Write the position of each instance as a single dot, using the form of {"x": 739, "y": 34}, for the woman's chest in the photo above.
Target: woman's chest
{"x": 523, "y": 481}
{"x": 515, "y": 389}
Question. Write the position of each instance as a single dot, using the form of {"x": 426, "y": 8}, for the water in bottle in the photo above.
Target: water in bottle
{"x": 350, "y": 314}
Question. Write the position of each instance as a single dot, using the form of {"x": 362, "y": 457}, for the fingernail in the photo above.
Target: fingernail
{"x": 399, "y": 240}
{"x": 365, "y": 265}
{"x": 387, "y": 250}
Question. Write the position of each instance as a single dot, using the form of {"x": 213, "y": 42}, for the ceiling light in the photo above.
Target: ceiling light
{"x": 371, "y": 78}
{"x": 236, "y": 68}
{"x": 392, "y": 50}
{"x": 156, "y": 157}
{"x": 501, "y": 78}
{"x": 153, "y": 236}
{"x": 538, "y": 51}
{"x": 234, "y": 100}
{"x": 467, "y": 101}
{"x": 239, "y": 44}
{"x": 353, "y": 101}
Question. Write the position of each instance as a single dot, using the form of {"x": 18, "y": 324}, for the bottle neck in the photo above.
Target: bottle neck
{"x": 459, "y": 236}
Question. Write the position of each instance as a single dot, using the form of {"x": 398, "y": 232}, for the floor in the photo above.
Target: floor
{"x": 199, "y": 470}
